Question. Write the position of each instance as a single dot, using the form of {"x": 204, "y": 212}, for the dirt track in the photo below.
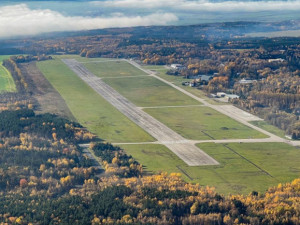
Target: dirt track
{"x": 185, "y": 150}
{"x": 48, "y": 99}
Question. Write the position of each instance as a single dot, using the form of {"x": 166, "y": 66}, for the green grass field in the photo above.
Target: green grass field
{"x": 202, "y": 123}
{"x": 113, "y": 69}
{"x": 268, "y": 127}
{"x": 7, "y": 83}
{"x": 243, "y": 167}
{"x": 89, "y": 108}
{"x": 149, "y": 91}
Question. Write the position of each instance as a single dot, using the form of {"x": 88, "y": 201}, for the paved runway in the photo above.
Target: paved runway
{"x": 188, "y": 152}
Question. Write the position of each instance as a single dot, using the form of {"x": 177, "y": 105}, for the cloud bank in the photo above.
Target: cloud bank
{"x": 204, "y": 5}
{"x": 20, "y": 20}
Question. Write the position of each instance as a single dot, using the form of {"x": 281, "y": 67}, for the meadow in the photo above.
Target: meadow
{"x": 112, "y": 68}
{"x": 268, "y": 127}
{"x": 202, "y": 123}
{"x": 147, "y": 91}
{"x": 7, "y": 83}
{"x": 244, "y": 167}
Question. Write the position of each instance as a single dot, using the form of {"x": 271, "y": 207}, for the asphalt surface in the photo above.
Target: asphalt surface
{"x": 184, "y": 149}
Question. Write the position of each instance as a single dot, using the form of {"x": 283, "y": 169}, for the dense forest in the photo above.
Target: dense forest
{"x": 47, "y": 179}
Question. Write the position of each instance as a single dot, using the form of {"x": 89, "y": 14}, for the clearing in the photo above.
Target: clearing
{"x": 7, "y": 83}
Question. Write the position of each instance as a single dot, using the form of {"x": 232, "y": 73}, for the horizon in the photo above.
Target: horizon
{"x": 27, "y": 18}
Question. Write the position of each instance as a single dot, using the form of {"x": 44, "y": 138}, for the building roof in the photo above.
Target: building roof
{"x": 206, "y": 77}
{"x": 232, "y": 96}
{"x": 246, "y": 81}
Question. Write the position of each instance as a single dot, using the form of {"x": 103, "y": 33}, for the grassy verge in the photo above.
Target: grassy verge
{"x": 149, "y": 91}
{"x": 268, "y": 127}
{"x": 202, "y": 123}
{"x": 89, "y": 108}
{"x": 7, "y": 83}
{"x": 113, "y": 69}
{"x": 243, "y": 167}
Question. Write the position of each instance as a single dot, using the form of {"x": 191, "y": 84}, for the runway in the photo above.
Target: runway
{"x": 184, "y": 149}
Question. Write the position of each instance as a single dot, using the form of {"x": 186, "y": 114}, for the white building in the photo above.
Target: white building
{"x": 246, "y": 81}
{"x": 177, "y": 66}
{"x": 276, "y": 60}
{"x": 221, "y": 94}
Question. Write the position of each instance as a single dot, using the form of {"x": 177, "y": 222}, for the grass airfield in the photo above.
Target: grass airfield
{"x": 243, "y": 167}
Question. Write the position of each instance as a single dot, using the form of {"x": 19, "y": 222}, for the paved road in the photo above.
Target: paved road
{"x": 185, "y": 150}
{"x": 228, "y": 110}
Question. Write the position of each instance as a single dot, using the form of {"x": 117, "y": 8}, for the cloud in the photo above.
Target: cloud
{"x": 19, "y": 20}
{"x": 204, "y": 5}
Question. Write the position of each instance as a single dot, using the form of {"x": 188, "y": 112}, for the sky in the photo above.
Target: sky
{"x": 19, "y": 18}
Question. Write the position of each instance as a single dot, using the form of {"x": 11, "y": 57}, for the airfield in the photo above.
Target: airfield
{"x": 171, "y": 128}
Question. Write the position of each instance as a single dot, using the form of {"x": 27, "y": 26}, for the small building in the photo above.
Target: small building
{"x": 206, "y": 78}
{"x": 232, "y": 96}
{"x": 177, "y": 66}
{"x": 297, "y": 111}
{"x": 185, "y": 83}
{"x": 246, "y": 81}
{"x": 221, "y": 94}
{"x": 276, "y": 60}
{"x": 194, "y": 77}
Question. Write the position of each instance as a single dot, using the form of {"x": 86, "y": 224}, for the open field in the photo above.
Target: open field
{"x": 112, "y": 69}
{"x": 6, "y": 81}
{"x": 285, "y": 33}
{"x": 268, "y": 127}
{"x": 90, "y": 109}
{"x": 148, "y": 91}
{"x": 3, "y": 57}
{"x": 202, "y": 123}
{"x": 243, "y": 167}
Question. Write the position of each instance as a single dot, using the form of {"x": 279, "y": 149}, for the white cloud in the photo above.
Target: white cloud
{"x": 19, "y": 20}
{"x": 138, "y": 3}
{"x": 204, "y": 5}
